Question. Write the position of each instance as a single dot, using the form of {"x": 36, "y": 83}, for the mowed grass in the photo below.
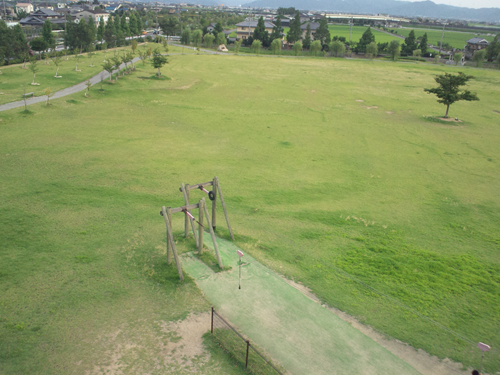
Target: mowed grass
{"x": 16, "y": 80}
{"x": 318, "y": 187}
{"x": 456, "y": 39}
{"x": 357, "y": 33}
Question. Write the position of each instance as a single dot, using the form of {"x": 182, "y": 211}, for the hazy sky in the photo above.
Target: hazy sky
{"x": 468, "y": 3}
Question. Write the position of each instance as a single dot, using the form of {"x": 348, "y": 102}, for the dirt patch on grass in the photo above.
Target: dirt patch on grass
{"x": 190, "y": 344}
{"x": 449, "y": 119}
{"x": 187, "y": 86}
{"x": 389, "y": 112}
{"x": 417, "y": 358}
{"x": 496, "y": 111}
{"x": 360, "y": 100}
{"x": 172, "y": 347}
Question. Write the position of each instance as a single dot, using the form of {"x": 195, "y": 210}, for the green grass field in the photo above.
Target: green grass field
{"x": 317, "y": 186}
{"x": 357, "y": 33}
{"x": 455, "y": 39}
{"x": 15, "y": 80}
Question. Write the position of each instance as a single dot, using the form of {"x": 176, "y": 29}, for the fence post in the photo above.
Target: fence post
{"x": 212, "y": 323}
{"x": 248, "y": 347}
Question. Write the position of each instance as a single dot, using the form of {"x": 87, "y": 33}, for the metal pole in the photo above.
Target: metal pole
{"x": 350, "y": 32}
{"x": 481, "y": 366}
{"x": 248, "y": 347}
{"x": 441, "y": 46}
{"x": 239, "y": 284}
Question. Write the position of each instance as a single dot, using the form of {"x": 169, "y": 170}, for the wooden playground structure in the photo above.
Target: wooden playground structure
{"x": 190, "y": 220}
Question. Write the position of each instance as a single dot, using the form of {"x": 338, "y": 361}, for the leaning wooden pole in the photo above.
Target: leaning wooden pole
{"x": 214, "y": 204}
{"x": 209, "y": 224}
{"x": 170, "y": 238}
{"x": 169, "y": 250}
{"x": 185, "y": 193}
{"x": 216, "y": 180}
{"x": 200, "y": 227}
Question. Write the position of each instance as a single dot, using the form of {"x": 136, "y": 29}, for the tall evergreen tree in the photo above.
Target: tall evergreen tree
{"x": 47, "y": 34}
{"x": 124, "y": 25}
{"x": 260, "y": 32}
{"x": 306, "y": 43}
{"x": 100, "y": 30}
{"x": 423, "y": 44}
{"x": 322, "y": 33}
{"x": 140, "y": 25}
{"x": 132, "y": 24}
{"x": 92, "y": 31}
{"x": 16, "y": 43}
{"x": 109, "y": 33}
{"x": 493, "y": 50}
{"x": 410, "y": 44}
{"x": 295, "y": 32}
{"x": 277, "y": 30}
{"x": 119, "y": 35}
{"x": 366, "y": 39}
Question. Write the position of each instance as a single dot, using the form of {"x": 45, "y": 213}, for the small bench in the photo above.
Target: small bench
{"x": 28, "y": 94}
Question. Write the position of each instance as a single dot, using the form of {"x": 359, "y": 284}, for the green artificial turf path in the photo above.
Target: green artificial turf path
{"x": 300, "y": 334}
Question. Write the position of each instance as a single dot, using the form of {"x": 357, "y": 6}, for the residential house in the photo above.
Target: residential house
{"x": 44, "y": 6}
{"x": 36, "y": 19}
{"x": 314, "y": 27}
{"x": 475, "y": 44}
{"x": 7, "y": 10}
{"x": 246, "y": 28}
{"x": 96, "y": 15}
{"x": 27, "y": 7}
{"x": 211, "y": 27}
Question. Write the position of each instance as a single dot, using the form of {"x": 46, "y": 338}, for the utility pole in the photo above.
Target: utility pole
{"x": 441, "y": 45}
{"x": 350, "y": 32}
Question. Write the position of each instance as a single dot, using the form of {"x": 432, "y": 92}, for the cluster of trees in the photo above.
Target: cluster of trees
{"x": 13, "y": 45}
{"x": 84, "y": 35}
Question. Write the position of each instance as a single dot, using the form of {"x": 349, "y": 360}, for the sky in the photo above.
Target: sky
{"x": 468, "y": 3}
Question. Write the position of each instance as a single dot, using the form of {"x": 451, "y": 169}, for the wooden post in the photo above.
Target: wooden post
{"x": 214, "y": 203}
{"x": 200, "y": 227}
{"x": 169, "y": 251}
{"x": 185, "y": 193}
{"x": 224, "y": 208}
{"x": 209, "y": 224}
{"x": 172, "y": 243}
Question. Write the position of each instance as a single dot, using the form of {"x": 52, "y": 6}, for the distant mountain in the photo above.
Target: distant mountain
{"x": 392, "y": 7}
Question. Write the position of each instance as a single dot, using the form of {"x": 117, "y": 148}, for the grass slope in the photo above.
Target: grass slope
{"x": 316, "y": 185}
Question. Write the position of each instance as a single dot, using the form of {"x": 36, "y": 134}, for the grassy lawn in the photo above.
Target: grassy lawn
{"x": 357, "y": 33}
{"x": 318, "y": 186}
{"x": 15, "y": 80}
{"x": 455, "y": 39}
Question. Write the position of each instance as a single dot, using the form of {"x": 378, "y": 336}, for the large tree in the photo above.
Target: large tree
{"x": 423, "y": 44}
{"x": 322, "y": 33}
{"x": 478, "y": 57}
{"x": 307, "y": 39}
{"x": 100, "y": 30}
{"x": 366, "y": 39}
{"x": 168, "y": 25}
{"x": 260, "y": 33}
{"x": 394, "y": 49}
{"x": 493, "y": 50}
{"x": 109, "y": 33}
{"x": 124, "y": 25}
{"x": 410, "y": 44}
{"x": 449, "y": 92}
{"x": 277, "y": 30}
{"x": 197, "y": 38}
{"x": 47, "y": 34}
{"x": 295, "y": 32}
